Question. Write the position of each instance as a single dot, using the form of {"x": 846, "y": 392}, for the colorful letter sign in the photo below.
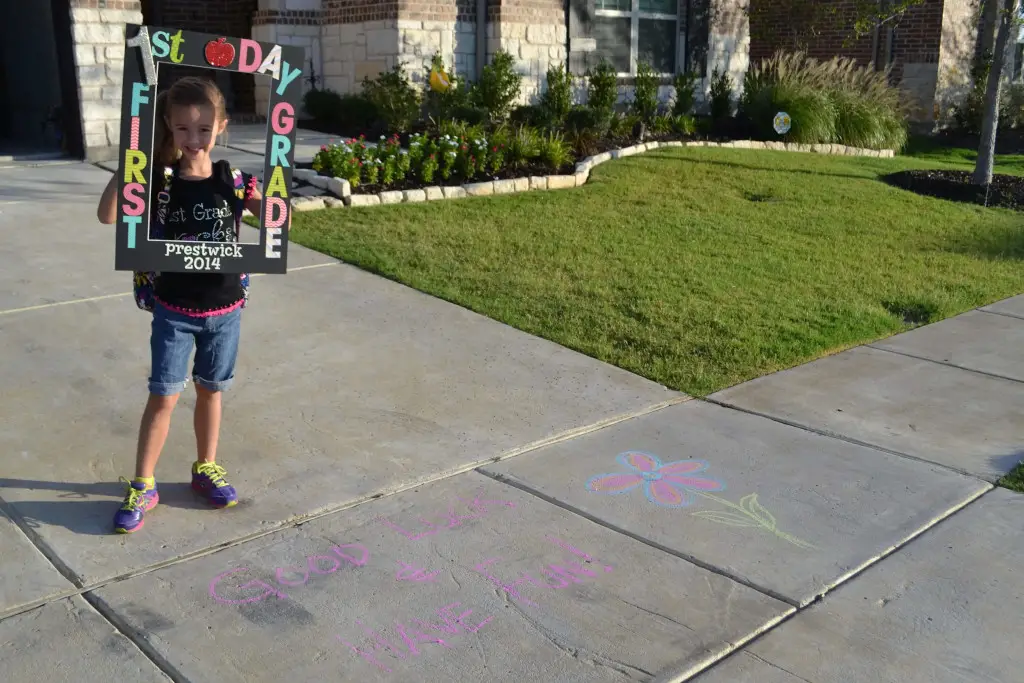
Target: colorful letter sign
{"x": 145, "y": 48}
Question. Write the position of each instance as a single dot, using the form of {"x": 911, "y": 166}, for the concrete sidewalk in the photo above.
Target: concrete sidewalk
{"x": 430, "y": 495}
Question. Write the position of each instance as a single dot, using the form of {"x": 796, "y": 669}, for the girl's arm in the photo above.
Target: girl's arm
{"x": 254, "y": 201}
{"x": 107, "y": 209}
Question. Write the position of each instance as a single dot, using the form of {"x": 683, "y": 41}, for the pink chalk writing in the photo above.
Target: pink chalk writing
{"x": 351, "y": 553}
{"x": 421, "y": 633}
{"x": 454, "y": 518}
{"x": 410, "y": 572}
{"x": 555, "y": 576}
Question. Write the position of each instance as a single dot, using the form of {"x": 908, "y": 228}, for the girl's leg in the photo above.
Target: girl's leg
{"x": 171, "y": 343}
{"x": 156, "y": 423}
{"x": 216, "y": 351}
{"x": 207, "y": 423}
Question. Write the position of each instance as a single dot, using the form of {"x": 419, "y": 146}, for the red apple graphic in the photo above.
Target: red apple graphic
{"x": 220, "y": 53}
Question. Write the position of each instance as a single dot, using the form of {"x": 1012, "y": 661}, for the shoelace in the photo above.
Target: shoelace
{"x": 135, "y": 498}
{"x": 215, "y": 472}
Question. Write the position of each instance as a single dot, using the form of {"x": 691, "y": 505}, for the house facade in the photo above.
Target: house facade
{"x": 929, "y": 51}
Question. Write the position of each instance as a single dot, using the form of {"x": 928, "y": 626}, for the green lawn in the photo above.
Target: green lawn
{"x": 699, "y": 268}
{"x": 1015, "y": 479}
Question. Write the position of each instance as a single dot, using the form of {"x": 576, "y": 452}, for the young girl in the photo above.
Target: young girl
{"x": 200, "y": 311}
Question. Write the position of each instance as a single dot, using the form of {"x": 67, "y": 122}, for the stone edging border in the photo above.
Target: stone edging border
{"x": 342, "y": 191}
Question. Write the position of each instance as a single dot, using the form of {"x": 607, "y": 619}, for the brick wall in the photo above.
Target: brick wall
{"x": 359, "y": 11}
{"x": 918, "y": 40}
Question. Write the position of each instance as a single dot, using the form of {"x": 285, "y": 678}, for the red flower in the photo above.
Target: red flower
{"x": 494, "y": 149}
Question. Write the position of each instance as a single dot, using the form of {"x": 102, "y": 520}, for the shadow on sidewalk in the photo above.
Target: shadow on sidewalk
{"x": 77, "y": 510}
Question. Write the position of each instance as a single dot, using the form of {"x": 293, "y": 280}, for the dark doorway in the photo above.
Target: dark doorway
{"x": 38, "y": 89}
{"x": 224, "y": 17}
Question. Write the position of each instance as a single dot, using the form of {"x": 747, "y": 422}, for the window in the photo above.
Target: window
{"x": 628, "y": 31}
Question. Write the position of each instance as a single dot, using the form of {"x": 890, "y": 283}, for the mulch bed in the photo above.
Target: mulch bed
{"x": 1006, "y": 191}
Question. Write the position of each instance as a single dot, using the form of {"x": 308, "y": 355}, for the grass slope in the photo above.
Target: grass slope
{"x": 699, "y": 268}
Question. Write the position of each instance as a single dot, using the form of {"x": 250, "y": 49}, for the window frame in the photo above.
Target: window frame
{"x": 635, "y": 15}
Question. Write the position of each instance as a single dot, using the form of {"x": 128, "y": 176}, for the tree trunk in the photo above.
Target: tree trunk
{"x": 987, "y": 28}
{"x": 990, "y": 121}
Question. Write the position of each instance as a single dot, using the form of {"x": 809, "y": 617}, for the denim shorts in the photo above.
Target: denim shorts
{"x": 175, "y": 335}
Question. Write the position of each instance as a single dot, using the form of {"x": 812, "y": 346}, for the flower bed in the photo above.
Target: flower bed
{"x": 391, "y": 157}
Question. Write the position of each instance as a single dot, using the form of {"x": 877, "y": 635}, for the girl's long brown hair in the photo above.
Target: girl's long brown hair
{"x": 190, "y": 91}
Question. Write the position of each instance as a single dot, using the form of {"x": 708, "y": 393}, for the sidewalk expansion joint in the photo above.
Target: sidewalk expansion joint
{"x": 681, "y": 677}
{"x": 843, "y": 437}
{"x": 945, "y": 364}
{"x": 84, "y": 588}
{"x": 1002, "y": 313}
{"x": 139, "y": 639}
{"x": 526, "y": 488}
{"x": 102, "y": 297}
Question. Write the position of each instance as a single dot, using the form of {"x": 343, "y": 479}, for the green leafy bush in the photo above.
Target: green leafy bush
{"x": 684, "y": 124}
{"x": 603, "y": 89}
{"x": 524, "y": 146}
{"x": 828, "y": 102}
{"x": 557, "y": 99}
{"x": 685, "y": 84}
{"x": 645, "y": 93}
{"x": 584, "y": 129}
{"x": 721, "y": 96}
{"x": 499, "y": 86}
{"x": 968, "y": 114}
{"x": 1012, "y": 106}
{"x": 528, "y": 115}
{"x": 555, "y": 151}
{"x": 396, "y": 100}
{"x": 321, "y": 104}
{"x": 347, "y": 113}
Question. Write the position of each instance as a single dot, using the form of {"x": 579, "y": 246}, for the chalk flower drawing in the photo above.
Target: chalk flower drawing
{"x": 670, "y": 486}
{"x": 667, "y": 484}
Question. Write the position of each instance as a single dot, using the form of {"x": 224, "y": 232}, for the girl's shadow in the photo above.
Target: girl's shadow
{"x": 87, "y": 508}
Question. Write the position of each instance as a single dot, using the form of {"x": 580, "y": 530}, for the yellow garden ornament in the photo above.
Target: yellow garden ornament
{"x": 439, "y": 80}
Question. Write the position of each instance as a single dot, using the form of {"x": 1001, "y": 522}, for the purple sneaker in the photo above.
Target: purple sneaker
{"x": 208, "y": 479}
{"x": 137, "y": 503}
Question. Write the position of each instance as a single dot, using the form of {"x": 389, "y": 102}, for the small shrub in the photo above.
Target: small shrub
{"x": 623, "y": 125}
{"x": 662, "y": 125}
{"x": 346, "y": 113}
{"x": 684, "y": 125}
{"x": 557, "y": 99}
{"x": 321, "y": 104}
{"x": 462, "y": 129}
{"x": 396, "y": 100}
{"x": 721, "y": 96}
{"x": 584, "y": 128}
{"x": 603, "y": 90}
{"x": 470, "y": 115}
{"x": 1012, "y": 106}
{"x": 685, "y": 84}
{"x": 498, "y": 87}
{"x": 555, "y": 151}
{"x": 645, "y": 93}
{"x": 523, "y": 146}
{"x": 968, "y": 115}
{"x": 528, "y": 115}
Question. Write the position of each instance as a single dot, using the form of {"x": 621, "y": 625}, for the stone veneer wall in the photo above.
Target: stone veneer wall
{"x": 361, "y": 38}
{"x": 98, "y": 35}
{"x": 289, "y": 22}
{"x": 960, "y": 23}
{"x": 532, "y": 31}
